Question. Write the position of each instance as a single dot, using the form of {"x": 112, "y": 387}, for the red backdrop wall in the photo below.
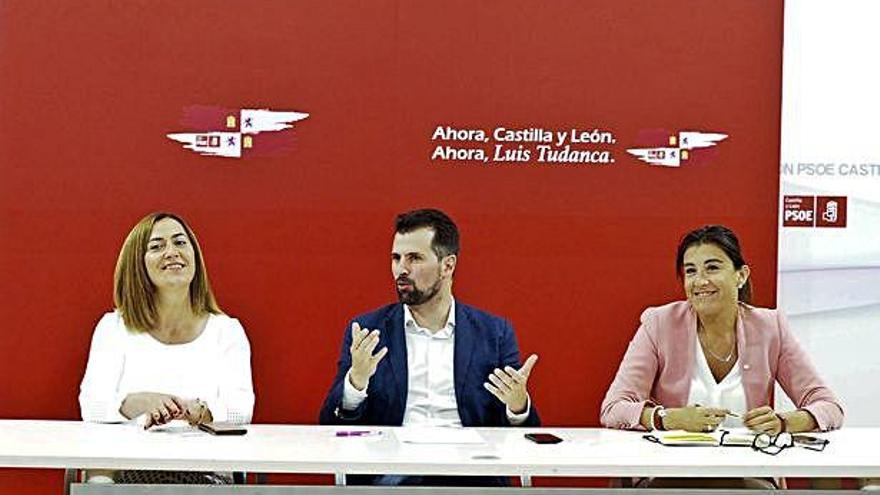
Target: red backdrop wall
{"x": 296, "y": 244}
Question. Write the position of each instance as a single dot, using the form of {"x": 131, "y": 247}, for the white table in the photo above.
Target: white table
{"x": 585, "y": 452}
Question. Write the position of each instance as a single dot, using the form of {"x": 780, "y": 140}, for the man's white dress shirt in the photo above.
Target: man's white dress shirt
{"x": 430, "y": 357}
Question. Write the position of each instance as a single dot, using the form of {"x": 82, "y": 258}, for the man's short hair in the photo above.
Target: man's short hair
{"x": 445, "y": 241}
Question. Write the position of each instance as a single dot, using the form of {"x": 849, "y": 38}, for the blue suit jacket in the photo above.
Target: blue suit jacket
{"x": 483, "y": 342}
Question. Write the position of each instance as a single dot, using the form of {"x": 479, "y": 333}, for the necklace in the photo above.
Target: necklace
{"x": 707, "y": 349}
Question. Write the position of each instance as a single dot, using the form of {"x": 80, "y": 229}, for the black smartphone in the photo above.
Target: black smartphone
{"x": 543, "y": 437}
{"x": 810, "y": 442}
{"x": 222, "y": 429}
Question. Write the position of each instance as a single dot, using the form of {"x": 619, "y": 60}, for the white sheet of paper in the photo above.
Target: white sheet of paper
{"x": 438, "y": 435}
{"x": 175, "y": 426}
{"x": 739, "y": 436}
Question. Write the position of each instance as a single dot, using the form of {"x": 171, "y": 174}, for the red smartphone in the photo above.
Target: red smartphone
{"x": 222, "y": 429}
{"x": 543, "y": 438}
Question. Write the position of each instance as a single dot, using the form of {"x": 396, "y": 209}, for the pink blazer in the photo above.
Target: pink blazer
{"x": 658, "y": 366}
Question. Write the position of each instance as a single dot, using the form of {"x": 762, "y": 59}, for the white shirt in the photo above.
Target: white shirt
{"x": 430, "y": 398}
{"x": 430, "y": 357}
{"x": 727, "y": 394}
{"x": 215, "y": 367}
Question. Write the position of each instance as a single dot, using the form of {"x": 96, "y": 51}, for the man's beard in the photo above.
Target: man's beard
{"x": 417, "y": 296}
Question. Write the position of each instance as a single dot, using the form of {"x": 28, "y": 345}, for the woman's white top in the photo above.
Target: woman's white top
{"x": 215, "y": 367}
{"x": 727, "y": 394}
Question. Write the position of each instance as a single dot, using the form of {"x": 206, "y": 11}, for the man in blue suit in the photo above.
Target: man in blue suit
{"x": 429, "y": 360}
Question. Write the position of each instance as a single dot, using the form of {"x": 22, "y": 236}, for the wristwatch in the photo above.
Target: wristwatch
{"x": 345, "y": 414}
{"x": 657, "y": 416}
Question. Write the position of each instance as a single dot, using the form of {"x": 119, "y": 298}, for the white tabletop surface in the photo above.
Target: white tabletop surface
{"x": 852, "y": 452}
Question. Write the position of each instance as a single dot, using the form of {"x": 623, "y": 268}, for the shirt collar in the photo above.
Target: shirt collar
{"x": 410, "y": 325}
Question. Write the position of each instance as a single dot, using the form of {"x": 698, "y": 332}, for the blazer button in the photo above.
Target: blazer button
{"x": 745, "y": 366}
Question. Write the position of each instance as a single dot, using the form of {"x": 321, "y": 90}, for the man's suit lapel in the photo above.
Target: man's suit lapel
{"x": 397, "y": 353}
{"x": 464, "y": 347}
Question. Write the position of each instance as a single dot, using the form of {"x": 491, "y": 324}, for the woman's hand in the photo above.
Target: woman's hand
{"x": 160, "y": 408}
{"x": 694, "y": 418}
{"x": 196, "y": 412}
{"x": 764, "y": 420}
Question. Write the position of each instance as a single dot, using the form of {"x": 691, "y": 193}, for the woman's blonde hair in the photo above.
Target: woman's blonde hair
{"x": 134, "y": 292}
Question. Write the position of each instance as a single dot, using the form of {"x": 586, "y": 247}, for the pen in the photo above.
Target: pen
{"x": 357, "y": 433}
{"x": 728, "y": 413}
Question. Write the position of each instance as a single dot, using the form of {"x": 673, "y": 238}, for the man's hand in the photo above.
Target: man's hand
{"x": 363, "y": 361}
{"x": 509, "y": 385}
{"x": 763, "y": 420}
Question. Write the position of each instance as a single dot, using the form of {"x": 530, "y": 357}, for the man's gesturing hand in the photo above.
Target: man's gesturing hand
{"x": 363, "y": 361}
{"x": 509, "y": 385}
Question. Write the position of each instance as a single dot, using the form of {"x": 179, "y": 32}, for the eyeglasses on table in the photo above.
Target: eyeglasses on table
{"x": 774, "y": 444}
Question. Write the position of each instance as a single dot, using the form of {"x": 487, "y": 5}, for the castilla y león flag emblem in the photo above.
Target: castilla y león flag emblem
{"x": 677, "y": 149}
{"x": 234, "y": 133}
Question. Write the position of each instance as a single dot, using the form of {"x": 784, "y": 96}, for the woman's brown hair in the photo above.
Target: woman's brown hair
{"x": 134, "y": 292}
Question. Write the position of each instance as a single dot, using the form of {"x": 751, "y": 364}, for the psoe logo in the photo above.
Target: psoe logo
{"x": 677, "y": 148}
{"x": 814, "y": 211}
{"x": 233, "y": 133}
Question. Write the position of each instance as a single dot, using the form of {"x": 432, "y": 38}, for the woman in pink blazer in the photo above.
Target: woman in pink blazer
{"x": 697, "y": 363}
